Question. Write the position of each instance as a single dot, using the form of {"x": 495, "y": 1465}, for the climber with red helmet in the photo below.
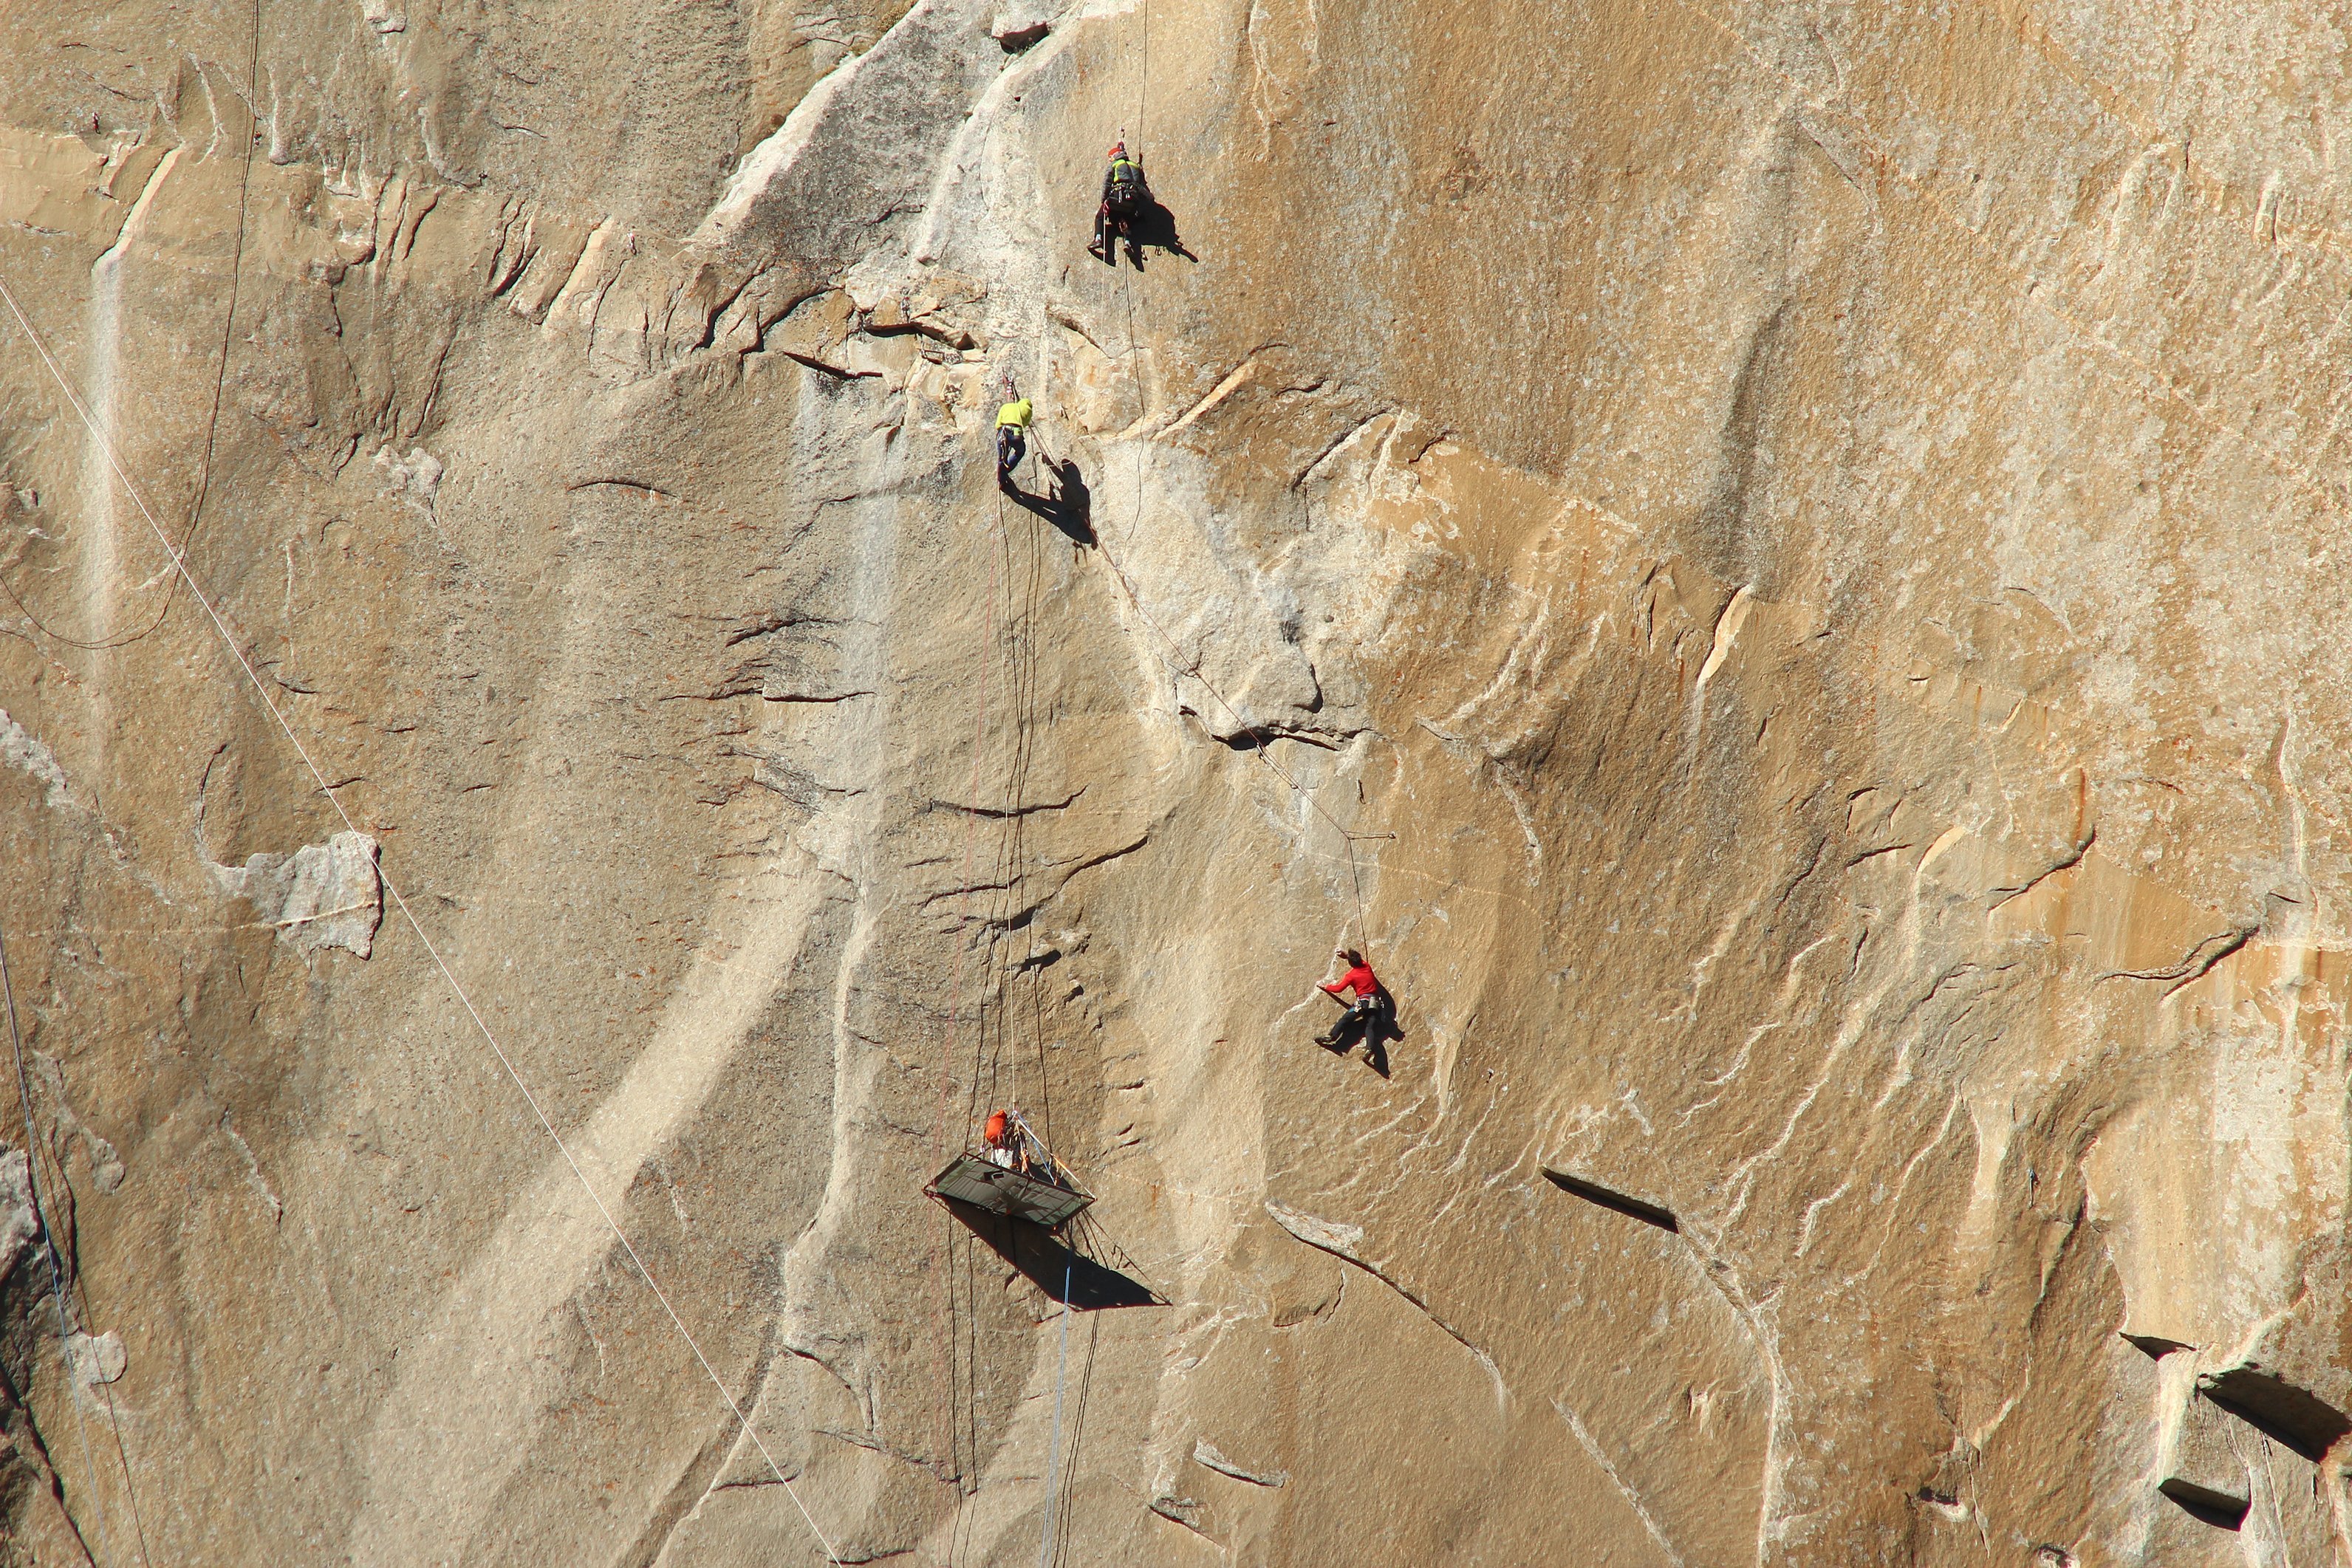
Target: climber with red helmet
{"x": 1125, "y": 198}
{"x": 1005, "y": 1148}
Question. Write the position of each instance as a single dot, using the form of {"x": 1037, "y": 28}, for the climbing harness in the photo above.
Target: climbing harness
{"x": 1129, "y": 193}
{"x": 400, "y": 900}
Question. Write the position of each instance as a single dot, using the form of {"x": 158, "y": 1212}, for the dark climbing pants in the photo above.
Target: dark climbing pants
{"x": 1012, "y": 447}
{"x": 1361, "y": 1014}
{"x": 1110, "y": 229}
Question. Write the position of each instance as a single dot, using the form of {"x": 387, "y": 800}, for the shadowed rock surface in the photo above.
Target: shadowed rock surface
{"x": 1774, "y": 567}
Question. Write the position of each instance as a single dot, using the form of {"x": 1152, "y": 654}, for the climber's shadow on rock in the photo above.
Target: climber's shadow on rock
{"x": 1376, "y": 1033}
{"x": 1069, "y": 506}
{"x": 1153, "y": 228}
{"x": 1065, "y": 1272}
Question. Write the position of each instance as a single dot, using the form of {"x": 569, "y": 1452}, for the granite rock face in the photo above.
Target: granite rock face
{"x": 1774, "y": 566}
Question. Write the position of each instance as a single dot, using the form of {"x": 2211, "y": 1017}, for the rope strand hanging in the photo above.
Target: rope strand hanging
{"x": 57, "y": 1265}
{"x": 1182, "y": 671}
{"x": 400, "y": 900}
{"x": 953, "y": 1376}
{"x": 1177, "y": 664}
{"x": 220, "y": 382}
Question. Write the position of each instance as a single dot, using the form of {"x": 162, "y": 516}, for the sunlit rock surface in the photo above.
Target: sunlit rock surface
{"x": 1778, "y": 569}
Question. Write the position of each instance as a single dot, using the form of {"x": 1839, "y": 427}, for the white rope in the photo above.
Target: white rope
{"x": 179, "y": 563}
{"x": 1070, "y": 1178}
{"x": 1177, "y": 664}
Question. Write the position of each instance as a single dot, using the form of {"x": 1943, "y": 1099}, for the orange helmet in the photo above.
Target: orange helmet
{"x": 1118, "y": 148}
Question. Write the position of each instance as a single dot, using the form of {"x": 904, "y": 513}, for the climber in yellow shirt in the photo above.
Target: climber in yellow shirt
{"x": 1012, "y": 435}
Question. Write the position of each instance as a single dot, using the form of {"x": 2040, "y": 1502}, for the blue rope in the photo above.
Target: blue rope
{"x": 1054, "y": 1449}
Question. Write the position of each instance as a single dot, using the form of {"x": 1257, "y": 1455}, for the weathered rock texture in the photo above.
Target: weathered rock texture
{"x": 1778, "y": 565}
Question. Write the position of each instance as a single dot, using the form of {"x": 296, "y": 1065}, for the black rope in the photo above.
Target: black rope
{"x": 1257, "y": 749}
{"x": 58, "y": 1279}
{"x": 1018, "y": 651}
{"x": 1068, "y": 1507}
{"x": 1024, "y": 661}
{"x": 220, "y": 380}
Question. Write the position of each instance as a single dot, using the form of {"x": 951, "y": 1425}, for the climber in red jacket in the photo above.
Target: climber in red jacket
{"x": 1370, "y": 1000}
{"x": 1005, "y": 1143}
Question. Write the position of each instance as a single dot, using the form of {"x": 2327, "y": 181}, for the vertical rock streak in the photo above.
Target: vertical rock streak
{"x": 1799, "y": 545}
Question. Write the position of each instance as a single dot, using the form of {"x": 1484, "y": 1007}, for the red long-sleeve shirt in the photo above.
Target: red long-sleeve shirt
{"x": 1359, "y": 979}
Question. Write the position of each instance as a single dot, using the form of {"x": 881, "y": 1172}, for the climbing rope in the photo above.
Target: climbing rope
{"x": 963, "y": 881}
{"x": 114, "y": 1420}
{"x": 57, "y": 1263}
{"x": 989, "y": 1067}
{"x": 1177, "y": 664}
{"x": 400, "y": 900}
{"x": 228, "y": 318}
{"x": 1028, "y": 665}
{"x": 1001, "y": 1062}
{"x": 220, "y": 380}
{"x": 1053, "y": 1447}
{"x": 952, "y": 1378}
{"x": 995, "y": 1062}
{"x": 1061, "y": 1516}
{"x": 1347, "y": 836}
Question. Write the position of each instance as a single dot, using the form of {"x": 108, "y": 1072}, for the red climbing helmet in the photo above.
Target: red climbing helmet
{"x": 1118, "y": 149}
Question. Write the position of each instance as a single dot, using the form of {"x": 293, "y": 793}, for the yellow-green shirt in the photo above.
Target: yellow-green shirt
{"x": 1015, "y": 415}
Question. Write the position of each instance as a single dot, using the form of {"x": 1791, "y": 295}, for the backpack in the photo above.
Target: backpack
{"x": 1128, "y": 193}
